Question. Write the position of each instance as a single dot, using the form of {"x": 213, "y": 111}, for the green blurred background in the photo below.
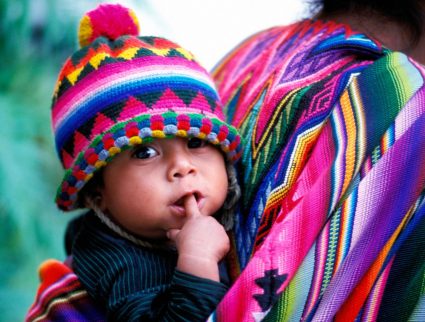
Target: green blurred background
{"x": 36, "y": 36}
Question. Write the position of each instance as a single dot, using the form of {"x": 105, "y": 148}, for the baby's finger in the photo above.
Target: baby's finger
{"x": 191, "y": 206}
{"x": 172, "y": 234}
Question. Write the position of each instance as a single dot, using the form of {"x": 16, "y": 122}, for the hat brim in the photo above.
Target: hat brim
{"x": 139, "y": 130}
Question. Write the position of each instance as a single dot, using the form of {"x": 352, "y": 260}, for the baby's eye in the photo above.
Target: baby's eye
{"x": 195, "y": 143}
{"x": 144, "y": 152}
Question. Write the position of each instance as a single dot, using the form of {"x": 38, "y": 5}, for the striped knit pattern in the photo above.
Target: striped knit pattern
{"x": 119, "y": 92}
{"x": 332, "y": 177}
{"x": 61, "y": 297}
{"x": 129, "y": 283}
{"x": 134, "y": 283}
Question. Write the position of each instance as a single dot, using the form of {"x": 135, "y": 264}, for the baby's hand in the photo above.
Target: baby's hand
{"x": 201, "y": 243}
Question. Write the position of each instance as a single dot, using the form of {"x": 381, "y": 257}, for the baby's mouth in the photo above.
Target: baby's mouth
{"x": 180, "y": 201}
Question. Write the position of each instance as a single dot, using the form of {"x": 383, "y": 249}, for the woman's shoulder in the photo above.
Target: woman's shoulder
{"x": 312, "y": 36}
{"x": 296, "y": 55}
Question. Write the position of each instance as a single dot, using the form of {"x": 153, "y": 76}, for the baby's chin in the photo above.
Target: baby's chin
{"x": 159, "y": 242}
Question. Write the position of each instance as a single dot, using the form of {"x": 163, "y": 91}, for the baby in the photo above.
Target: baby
{"x": 140, "y": 132}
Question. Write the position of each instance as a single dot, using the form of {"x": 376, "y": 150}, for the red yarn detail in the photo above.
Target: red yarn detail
{"x": 222, "y": 134}
{"x": 65, "y": 203}
{"x": 92, "y": 159}
{"x": 80, "y": 175}
{"x": 112, "y": 21}
{"x": 183, "y": 125}
{"x": 206, "y": 126}
{"x": 233, "y": 145}
{"x": 131, "y": 130}
{"x": 108, "y": 141}
{"x": 157, "y": 125}
{"x": 64, "y": 186}
{"x": 101, "y": 124}
{"x": 50, "y": 271}
{"x": 67, "y": 159}
{"x": 183, "y": 122}
{"x": 163, "y": 43}
{"x": 80, "y": 143}
{"x": 157, "y": 122}
{"x": 132, "y": 107}
{"x": 71, "y": 190}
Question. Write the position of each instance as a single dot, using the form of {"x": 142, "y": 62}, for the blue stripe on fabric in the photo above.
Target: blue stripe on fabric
{"x": 116, "y": 94}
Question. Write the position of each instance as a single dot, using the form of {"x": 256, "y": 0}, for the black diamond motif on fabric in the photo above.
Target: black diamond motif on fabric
{"x": 119, "y": 42}
{"x": 149, "y": 99}
{"x": 186, "y": 95}
{"x": 65, "y": 84}
{"x": 108, "y": 60}
{"x": 212, "y": 102}
{"x": 99, "y": 42}
{"x": 87, "y": 127}
{"x": 174, "y": 53}
{"x": 86, "y": 70}
{"x": 144, "y": 52}
{"x": 114, "y": 111}
{"x": 270, "y": 283}
{"x": 79, "y": 55}
{"x": 69, "y": 146}
{"x": 149, "y": 40}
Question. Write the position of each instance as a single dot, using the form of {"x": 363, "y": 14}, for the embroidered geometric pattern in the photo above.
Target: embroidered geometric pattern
{"x": 332, "y": 177}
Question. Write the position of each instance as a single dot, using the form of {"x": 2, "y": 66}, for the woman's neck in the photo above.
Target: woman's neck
{"x": 391, "y": 34}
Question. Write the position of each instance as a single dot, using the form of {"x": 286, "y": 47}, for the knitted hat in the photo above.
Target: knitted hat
{"x": 119, "y": 90}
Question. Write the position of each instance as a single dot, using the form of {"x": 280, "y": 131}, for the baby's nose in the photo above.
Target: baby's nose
{"x": 181, "y": 165}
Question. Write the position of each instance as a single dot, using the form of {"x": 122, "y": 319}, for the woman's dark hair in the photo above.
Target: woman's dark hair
{"x": 406, "y": 12}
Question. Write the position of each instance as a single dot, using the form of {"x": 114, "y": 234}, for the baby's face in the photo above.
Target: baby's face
{"x": 144, "y": 187}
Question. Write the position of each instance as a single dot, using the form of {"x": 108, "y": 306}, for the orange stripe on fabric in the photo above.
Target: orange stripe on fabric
{"x": 351, "y": 131}
{"x": 351, "y": 308}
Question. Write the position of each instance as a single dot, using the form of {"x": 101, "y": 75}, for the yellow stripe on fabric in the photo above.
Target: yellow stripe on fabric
{"x": 360, "y": 119}
{"x": 97, "y": 59}
{"x": 128, "y": 53}
{"x": 61, "y": 300}
{"x": 185, "y": 53}
{"x": 72, "y": 77}
{"x": 297, "y": 159}
{"x": 351, "y": 133}
{"x": 272, "y": 124}
{"x": 405, "y": 79}
{"x": 160, "y": 52}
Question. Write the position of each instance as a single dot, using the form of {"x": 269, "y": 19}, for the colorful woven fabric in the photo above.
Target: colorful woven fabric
{"x": 121, "y": 90}
{"x": 331, "y": 225}
{"x": 332, "y": 221}
{"x": 61, "y": 297}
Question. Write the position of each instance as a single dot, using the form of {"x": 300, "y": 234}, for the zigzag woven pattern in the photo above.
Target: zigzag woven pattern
{"x": 115, "y": 94}
{"x": 332, "y": 177}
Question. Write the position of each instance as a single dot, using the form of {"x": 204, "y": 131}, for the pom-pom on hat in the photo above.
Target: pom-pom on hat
{"x": 119, "y": 90}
